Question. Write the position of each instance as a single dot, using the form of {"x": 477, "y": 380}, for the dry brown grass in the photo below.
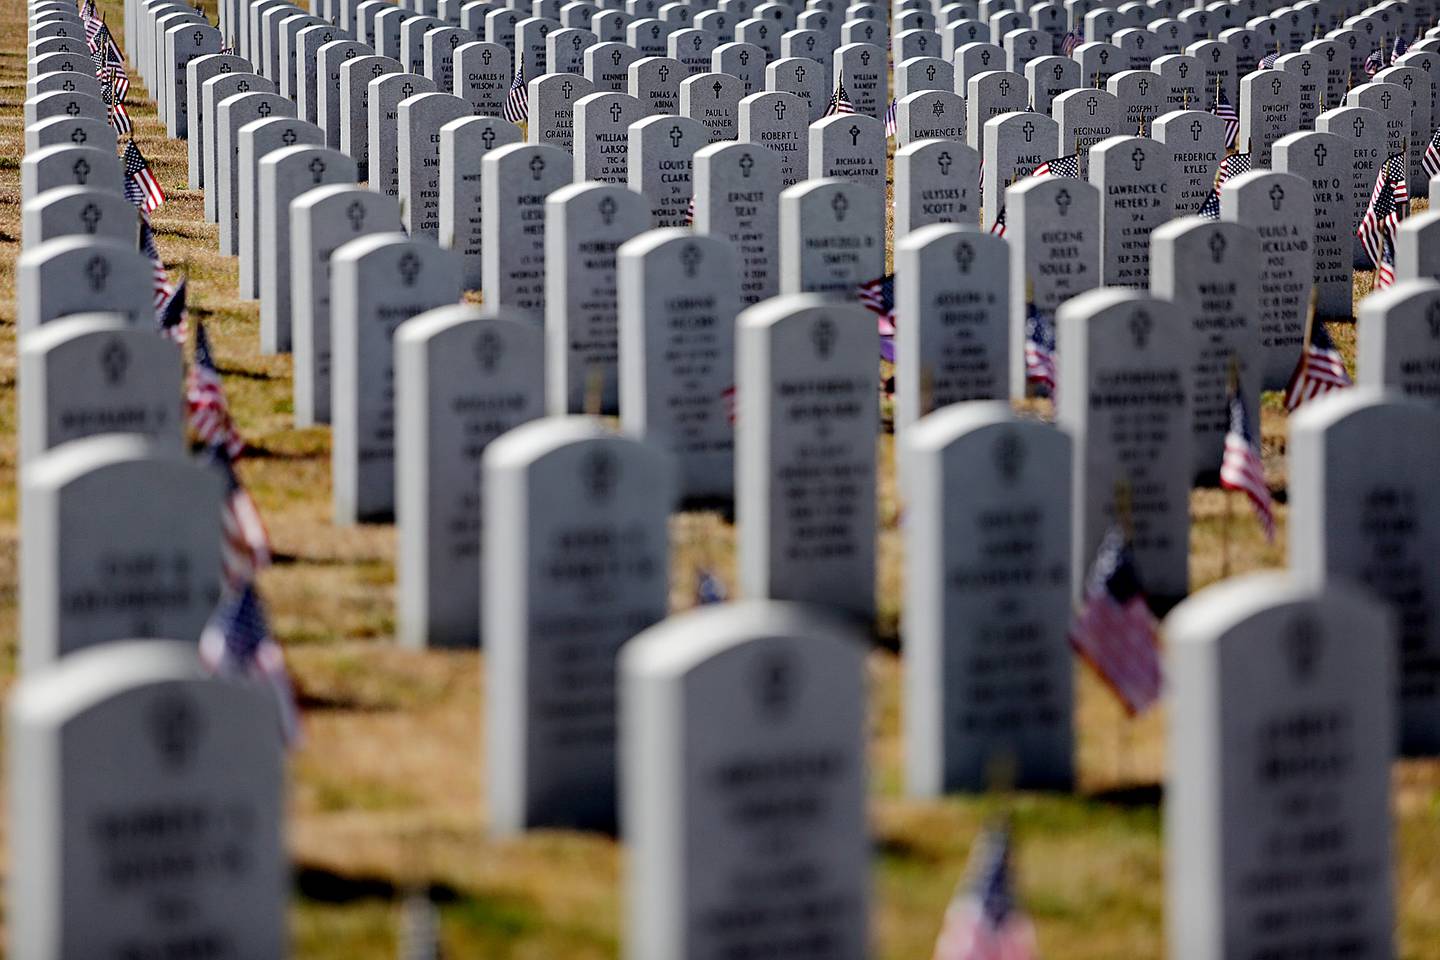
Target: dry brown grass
{"x": 388, "y": 790}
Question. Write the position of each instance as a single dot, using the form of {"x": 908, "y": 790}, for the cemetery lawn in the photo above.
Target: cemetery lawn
{"x": 387, "y": 791}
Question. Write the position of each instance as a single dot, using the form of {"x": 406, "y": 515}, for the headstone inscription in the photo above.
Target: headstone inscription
{"x": 585, "y": 224}
{"x": 68, "y": 166}
{"x": 832, "y": 237}
{"x": 1363, "y": 511}
{"x": 355, "y": 78}
{"x": 1324, "y": 159}
{"x": 805, "y": 453}
{"x": 377, "y": 283}
{"x": 587, "y": 510}
{"x": 463, "y": 144}
{"x": 602, "y": 136}
{"x": 285, "y": 175}
{"x": 323, "y": 219}
{"x": 1398, "y": 340}
{"x": 1280, "y": 208}
{"x": 82, "y": 274}
{"x": 779, "y": 121}
{"x": 420, "y": 119}
{"x": 952, "y": 295}
{"x": 481, "y": 74}
{"x": 1196, "y": 139}
{"x": 988, "y": 673}
{"x": 935, "y": 182}
{"x": 677, "y": 298}
{"x": 462, "y": 378}
{"x": 1053, "y": 228}
{"x": 709, "y": 700}
{"x": 119, "y": 538}
{"x": 139, "y": 782}
{"x": 660, "y": 160}
{"x": 737, "y": 190}
{"x": 1212, "y": 268}
{"x": 1133, "y": 177}
{"x": 1364, "y": 129}
{"x": 386, "y": 93}
{"x": 515, "y": 180}
{"x": 1125, "y": 399}
{"x": 1282, "y": 731}
{"x": 93, "y": 374}
{"x": 78, "y": 211}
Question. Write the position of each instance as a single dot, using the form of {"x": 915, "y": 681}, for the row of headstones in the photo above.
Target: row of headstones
{"x": 147, "y": 812}
{"x": 358, "y": 498}
{"x": 587, "y": 510}
{"x": 386, "y": 431}
{"x": 464, "y": 379}
{"x": 1012, "y": 150}
{"x": 363, "y": 491}
{"x": 801, "y": 700}
{"x": 1177, "y": 80}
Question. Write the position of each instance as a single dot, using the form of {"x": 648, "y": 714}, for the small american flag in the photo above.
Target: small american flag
{"x": 878, "y": 296}
{"x": 982, "y": 921}
{"x": 172, "y": 317}
{"x": 1231, "y": 167}
{"x": 998, "y": 227}
{"x": 245, "y": 543}
{"x": 1385, "y": 272}
{"x": 1398, "y": 49}
{"x": 91, "y": 18}
{"x": 1066, "y": 167}
{"x": 1210, "y": 207}
{"x": 1373, "y": 63}
{"x": 1389, "y": 203}
{"x": 839, "y": 101}
{"x": 1241, "y": 467}
{"x": 1431, "y": 160}
{"x": 236, "y": 642}
{"x": 892, "y": 119}
{"x": 1115, "y": 630}
{"x": 1225, "y": 110}
{"x": 419, "y": 933}
{"x": 208, "y": 411}
{"x": 1268, "y": 62}
{"x": 1320, "y": 370}
{"x": 1039, "y": 350}
{"x": 1069, "y": 42}
{"x": 118, "y": 115}
{"x": 159, "y": 278}
{"x": 141, "y": 187}
{"x": 709, "y": 588}
{"x": 727, "y": 398}
{"x": 109, "y": 56}
{"x": 517, "y": 102}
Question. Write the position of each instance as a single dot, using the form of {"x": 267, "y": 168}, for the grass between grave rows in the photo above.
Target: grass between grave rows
{"x": 387, "y": 792}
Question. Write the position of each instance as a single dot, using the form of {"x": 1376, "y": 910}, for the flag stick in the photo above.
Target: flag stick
{"x": 1310, "y": 320}
{"x": 1234, "y": 388}
{"x": 1124, "y": 515}
{"x": 594, "y": 391}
